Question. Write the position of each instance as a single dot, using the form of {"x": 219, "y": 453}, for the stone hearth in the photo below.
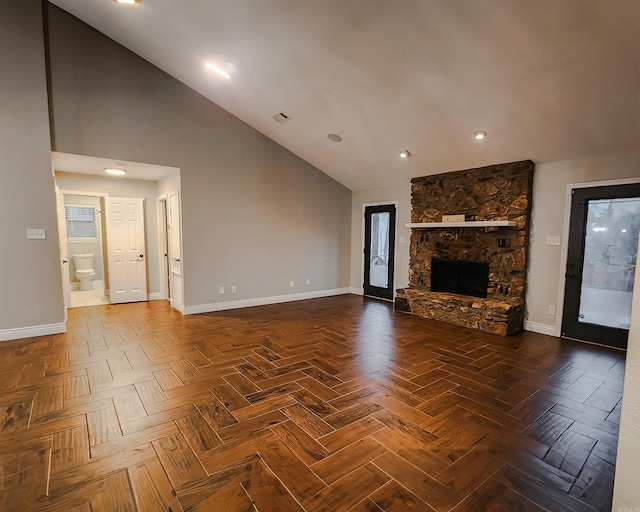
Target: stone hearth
{"x": 497, "y": 192}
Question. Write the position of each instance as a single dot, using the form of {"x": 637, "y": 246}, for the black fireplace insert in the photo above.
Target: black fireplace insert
{"x": 461, "y": 277}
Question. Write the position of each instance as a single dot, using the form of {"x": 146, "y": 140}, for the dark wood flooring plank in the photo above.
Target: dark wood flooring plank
{"x": 347, "y": 460}
{"x": 229, "y": 396}
{"x": 392, "y": 497}
{"x": 103, "y": 426}
{"x": 199, "y": 434}
{"x": 293, "y": 473}
{"x": 308, "y": 421}
{"x": 348, "y": 491}
{"x": 394, "y": 412}
{"x": 305, "y": 447}
{"x": 150, "y": 391}
{"x": 266, "y": 491}
{"x": 70, "y": 446}
{"x": 15, "y": 417}
{"x": 47, "y": 400}
{"x": 216, "y": 414}
{"x": 180, "y": 463}
{"x": 349, "y": 434}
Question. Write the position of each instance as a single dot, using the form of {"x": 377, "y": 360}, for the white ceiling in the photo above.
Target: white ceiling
{"x": 81, "y": 164}
{"x": 547, "y": 79}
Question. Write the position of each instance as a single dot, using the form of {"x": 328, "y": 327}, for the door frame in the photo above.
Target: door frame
{"x": 565, "y": 237}
{"x": 64, "y": 251}
{"x": 103, "y": 244}
{"x": 163, "y": 245}
{"x": 362, "y": 243}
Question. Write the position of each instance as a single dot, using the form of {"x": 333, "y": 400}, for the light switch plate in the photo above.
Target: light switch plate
{"x": 36, "y": 234}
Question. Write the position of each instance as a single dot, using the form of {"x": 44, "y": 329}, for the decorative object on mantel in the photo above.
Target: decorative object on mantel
{"x": 454, "y": 218}
{"x": 493, "y": 198}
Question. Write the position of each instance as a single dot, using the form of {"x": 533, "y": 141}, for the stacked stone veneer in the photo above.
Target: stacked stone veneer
{"x": 497, "y": 192}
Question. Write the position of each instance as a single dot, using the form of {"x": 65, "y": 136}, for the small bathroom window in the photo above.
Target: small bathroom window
{"x": 81, "y": 221}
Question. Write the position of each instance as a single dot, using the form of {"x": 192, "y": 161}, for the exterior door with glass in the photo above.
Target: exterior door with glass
{"x": 379, "y": 243}
{"x": 601, "y": 262}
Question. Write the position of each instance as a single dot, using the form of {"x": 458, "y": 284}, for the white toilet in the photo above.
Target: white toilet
{"x": 84, "y": 270}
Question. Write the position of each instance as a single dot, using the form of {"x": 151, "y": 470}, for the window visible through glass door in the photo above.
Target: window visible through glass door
{"x": 610, "y": 245}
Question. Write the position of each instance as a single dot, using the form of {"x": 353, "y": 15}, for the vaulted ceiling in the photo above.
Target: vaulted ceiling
{"x": 546, "y": 79}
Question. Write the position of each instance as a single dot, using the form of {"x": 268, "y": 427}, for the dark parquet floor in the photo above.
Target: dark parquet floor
{"x": 329, "y": 404}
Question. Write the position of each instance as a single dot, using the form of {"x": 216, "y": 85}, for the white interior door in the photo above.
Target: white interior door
{"x": 126, "y": 250}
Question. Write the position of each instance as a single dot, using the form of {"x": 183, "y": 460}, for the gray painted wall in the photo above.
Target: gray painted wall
{"x": 254, "y": 215}
{"x": 30, "y": 278}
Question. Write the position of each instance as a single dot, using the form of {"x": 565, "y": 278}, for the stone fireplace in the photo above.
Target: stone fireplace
{"x": 494, "y": 193}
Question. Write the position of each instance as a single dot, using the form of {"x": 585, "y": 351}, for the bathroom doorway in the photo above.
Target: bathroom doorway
{"x": 83, "y": 227}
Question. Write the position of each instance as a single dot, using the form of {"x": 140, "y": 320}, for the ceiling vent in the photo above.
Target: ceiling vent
{"x": 281, "y": 117}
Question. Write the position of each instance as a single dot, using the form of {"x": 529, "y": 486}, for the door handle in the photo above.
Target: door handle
{"x": 142, "y": 255}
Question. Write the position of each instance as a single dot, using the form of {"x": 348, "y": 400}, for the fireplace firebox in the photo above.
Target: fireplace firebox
{"x": 461, "y": 277}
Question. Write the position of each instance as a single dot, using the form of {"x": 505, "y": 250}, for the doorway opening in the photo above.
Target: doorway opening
{"x": 144, "y": 268}
{"x": 84, "y": 236}
{"x": 601, "y": 263}
{"x": 379, "y": 249}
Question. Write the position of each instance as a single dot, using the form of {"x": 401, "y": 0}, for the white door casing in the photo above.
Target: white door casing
{"x": 126, "y": 250}
{"x": 175, "y": 251}
{"x": 64, "y": 250}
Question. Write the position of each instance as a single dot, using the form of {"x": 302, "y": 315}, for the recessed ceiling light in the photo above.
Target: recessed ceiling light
{"x": 334, "y": 137}
{"x": 405, "y": 154}
{"x": 218, "y": 70}
{"x": 480, "y": 134}
{"x": 127, "y": 2}
{"x": 117, "y": 172}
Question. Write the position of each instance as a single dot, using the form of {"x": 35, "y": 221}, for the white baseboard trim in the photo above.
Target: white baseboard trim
{"x": 154, "y": 296}
{"x": 30, "y": 332}
{"x": 177, "y": 307}
{"x": 262, "y": 301}
{"x": 356, "y": 291}
{"x": 549, "y": 330}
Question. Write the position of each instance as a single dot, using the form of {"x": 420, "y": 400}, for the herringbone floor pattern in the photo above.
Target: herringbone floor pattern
{"x": 329, "y": 404}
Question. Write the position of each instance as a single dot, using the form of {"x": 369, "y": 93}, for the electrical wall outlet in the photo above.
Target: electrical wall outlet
{"x": 233, "y": 289}
{"x": 552, "y": 310}
{"x": 553, "y": 240}
{"x": 36, "y": 234}
{"x": 308, "y": 282}
{"x": 291, "y": 284}
{"x": 221, "y": 289}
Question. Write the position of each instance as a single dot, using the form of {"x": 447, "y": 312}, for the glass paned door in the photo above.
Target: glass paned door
{"x": 610, "y": 248}
{"x": 378, "y": 252}
{"x": 601, "y": 262}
